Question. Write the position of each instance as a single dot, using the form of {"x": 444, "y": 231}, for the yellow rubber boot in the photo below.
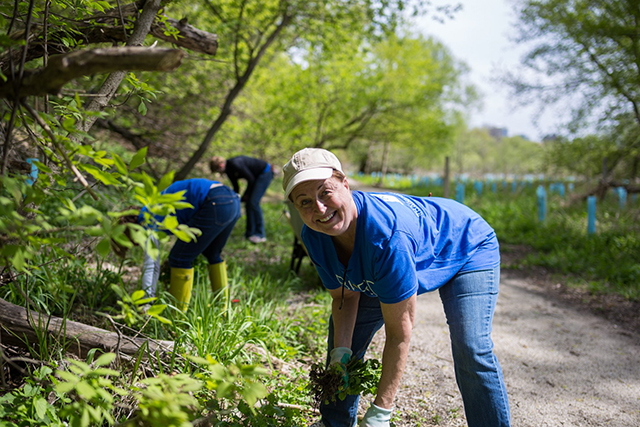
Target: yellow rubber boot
{"x": 180, "y": 286}
{"x": 218, "y": 277}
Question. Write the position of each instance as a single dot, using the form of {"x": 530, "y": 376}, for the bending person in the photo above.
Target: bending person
{"x": 216, "y": 209}
{"x": 375, "y": 253}
{"x": 258, "y": 174}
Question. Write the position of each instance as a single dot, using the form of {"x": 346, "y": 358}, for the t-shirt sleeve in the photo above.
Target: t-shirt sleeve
{"x": 395, "y": 269}
{"x": 328, "y": 280}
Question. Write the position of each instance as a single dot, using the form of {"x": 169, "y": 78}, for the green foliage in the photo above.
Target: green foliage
{"x": 91, "y": 390}
{"x": 134, "y": 306}
{"x": 167, "y": 400}
{"x": 28, "y": 405}
{"x": 326, "y": 384}
{"x": 477, "y": 153}
{"x": 401, "y": 90}
{"x": 583, "y": 53}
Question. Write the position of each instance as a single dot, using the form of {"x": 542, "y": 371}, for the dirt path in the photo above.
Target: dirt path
{"x": 562, "y": 365}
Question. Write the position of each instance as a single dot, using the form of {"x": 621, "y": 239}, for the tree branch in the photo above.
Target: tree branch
{"x": 103, "y": 28}
{"x": 64, "y": 68}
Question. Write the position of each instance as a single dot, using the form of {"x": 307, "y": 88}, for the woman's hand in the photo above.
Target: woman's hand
{"x": 376, "y": 417}
{"x": 340, "y": 357}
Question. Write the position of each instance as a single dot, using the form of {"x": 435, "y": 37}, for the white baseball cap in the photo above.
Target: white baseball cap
{"x": 306, "y": 165}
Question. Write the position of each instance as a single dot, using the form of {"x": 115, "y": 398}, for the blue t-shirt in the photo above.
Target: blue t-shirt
{"x": 405, "y": 245}
{"x": 196, "y": 189}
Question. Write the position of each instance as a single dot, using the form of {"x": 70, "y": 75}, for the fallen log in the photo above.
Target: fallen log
{"x": 19, "y": 327}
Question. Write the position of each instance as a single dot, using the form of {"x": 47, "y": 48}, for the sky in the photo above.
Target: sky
{"x": 479, "y": 35}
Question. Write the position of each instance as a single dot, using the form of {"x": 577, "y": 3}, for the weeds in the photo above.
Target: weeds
{"x": 326, "y": 383}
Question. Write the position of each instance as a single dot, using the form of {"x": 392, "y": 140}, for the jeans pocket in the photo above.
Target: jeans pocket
{"x": 226, "y": 209}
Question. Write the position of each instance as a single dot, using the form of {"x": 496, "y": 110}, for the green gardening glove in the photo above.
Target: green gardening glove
{"x": 376, "y": 417}
{"x": 340, "y": 357}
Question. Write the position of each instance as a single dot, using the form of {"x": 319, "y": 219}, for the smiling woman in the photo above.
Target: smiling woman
{"x": 375, "y": 253}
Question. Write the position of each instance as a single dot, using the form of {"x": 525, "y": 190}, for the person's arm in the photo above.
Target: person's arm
{"x": 237, "y": 169}
{"x": 398, "y": 321}
{"x": 344, "y": 320}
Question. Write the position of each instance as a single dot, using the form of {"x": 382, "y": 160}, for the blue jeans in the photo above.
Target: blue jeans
{"x": 469, "y": 301}
{"x": 216, "y": 218}
{"x": 255, "y": 219}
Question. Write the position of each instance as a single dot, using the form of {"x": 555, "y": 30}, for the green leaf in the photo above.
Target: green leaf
{"x": 104, "y": 247}
{"x": 120, "y": 165}
{"x": 64, "y": 387}
{"x": 142, "y": 108}
{"x": 105, "y": 359}
{"x": 156, "y": 309}
{"x": 170, "y": 222}
{"x": 254, "y": 392}
{"x": 67, "y": 376}
{"x": 166, "y": 180}
{"x": 137, "y": 295}
{"x": 105, "y": 177}
{"x": 138, "y": 159}
{"x": 42, "y": 167}
{"x": 84, "y": 419}
{"x": 40, "y": 406}
{"x": 85, "y": 390}
{"x": 69, "y": 125}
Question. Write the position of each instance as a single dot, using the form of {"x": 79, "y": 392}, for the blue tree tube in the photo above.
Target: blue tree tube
{"x": 34, "y": 171}
{"x": 622, "y": 197}
{"x": 591, "y": 214}
{"x": 460, "y": 192}
{"x": 514, "y": 186}
{"x": 494, "y": 187}
{"x": 542, "y": 203}
{"x": 478, "y": 186}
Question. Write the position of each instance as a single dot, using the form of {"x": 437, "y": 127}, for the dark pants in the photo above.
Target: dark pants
{"x": 255, "y": 219}
{"x": 216, "y": 218}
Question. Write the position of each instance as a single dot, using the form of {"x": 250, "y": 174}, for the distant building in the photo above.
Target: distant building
{"x": 496, "y": 132}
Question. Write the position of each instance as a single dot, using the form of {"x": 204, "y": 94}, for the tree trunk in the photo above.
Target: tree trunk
{"x": 225, "y": 111}
{"x": 19, "y": 327}
{"x": 385, "y": 163}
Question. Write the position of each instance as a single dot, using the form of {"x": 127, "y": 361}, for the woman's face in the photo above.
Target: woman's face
{"x": 325, "y": 205}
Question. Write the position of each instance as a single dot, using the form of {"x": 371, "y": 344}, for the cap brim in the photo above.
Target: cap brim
{"x": 307, "y": 175}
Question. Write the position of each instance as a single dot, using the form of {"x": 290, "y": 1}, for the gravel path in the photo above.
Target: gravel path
{"x": 562, "y": 366}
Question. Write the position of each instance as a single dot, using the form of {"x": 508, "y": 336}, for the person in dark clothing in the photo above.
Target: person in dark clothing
{"x": 258, "y": 174}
